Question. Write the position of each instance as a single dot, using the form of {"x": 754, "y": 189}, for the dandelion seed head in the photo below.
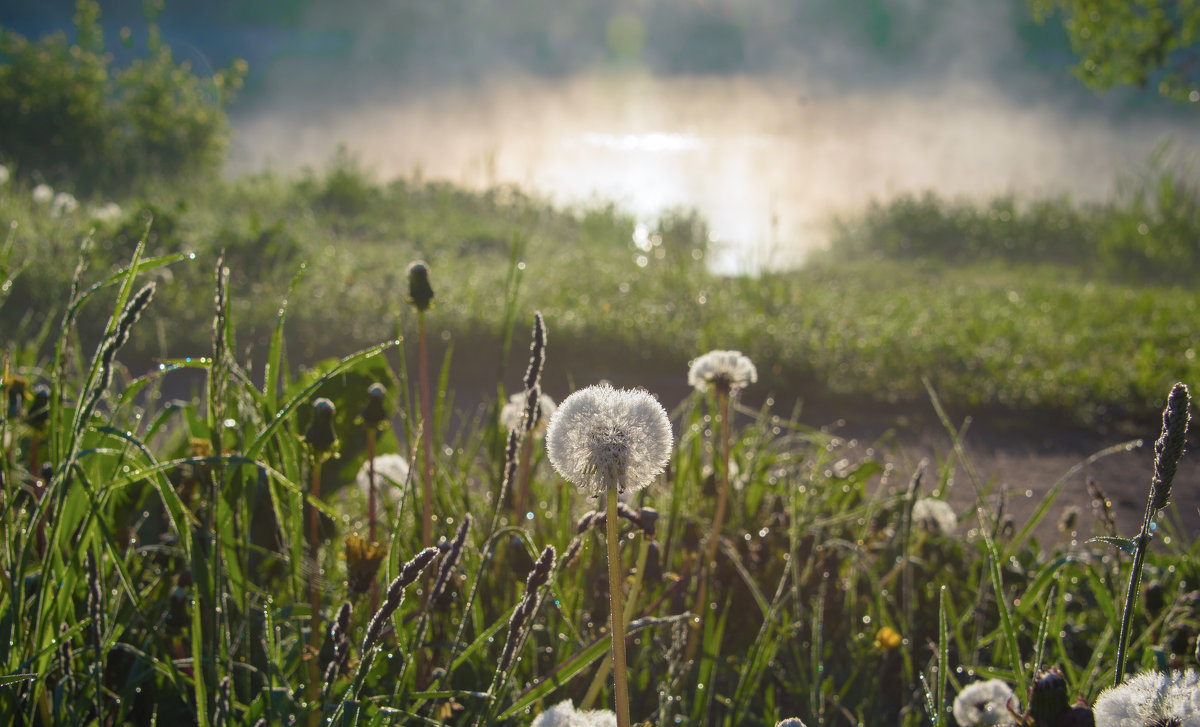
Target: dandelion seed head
{"x": 601, "y": 437}
{"x": 983, "y": 704}
{"x": 513, "y": 412}
{"x": 790, "y": 722}
{"x": 934, "y": 516}
{"x": 564, "y": 714}
{"x": 43, "y": 194}
{"x": 729, "y": 369}
{"x": 64, "y": 204}
{"x": 4, "y": 174}
{"x": 1151, "y": 698}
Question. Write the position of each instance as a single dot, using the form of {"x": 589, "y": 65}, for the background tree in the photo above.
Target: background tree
{"x": 1146, "y": 43}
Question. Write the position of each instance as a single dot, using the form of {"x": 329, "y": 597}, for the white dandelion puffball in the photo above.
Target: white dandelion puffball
{"x": 729, "y": 369}
{"x": 934, "y": 516}
{"x": 564, "y": 714}
{"x": 513, "y": 412}
{"x": 43, "y": 194}
{"x": 1151, "y": 698}
{"x": 391, "y": 477}
{"x": 984, "y": 704}
{"x": 64, "y": 204}
{"x": 107, "y": 212}
{"x": 3, "y": 175}
{"x": 790, "y": 722}
{"x": 601, "y": 437}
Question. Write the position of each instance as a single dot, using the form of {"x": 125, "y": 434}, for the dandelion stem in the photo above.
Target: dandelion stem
{"x": 617, "y": 613}
{"x": 314, "y": 636}
{"x": 427, "y": 436}
{"x": 371, "y": 512}
{"x": 708, "y": 567}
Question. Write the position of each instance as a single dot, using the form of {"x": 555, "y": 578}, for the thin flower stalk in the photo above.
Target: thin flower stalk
{"x": 608, "y": 441}
{"x": 617, "y": 612}
{"x": 1167, "y": 451}
{"x": 420, "y": 295}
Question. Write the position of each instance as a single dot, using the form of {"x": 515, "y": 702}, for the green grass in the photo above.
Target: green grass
{"x": 199, "y": 604}
{"x": 1016, "y": 332}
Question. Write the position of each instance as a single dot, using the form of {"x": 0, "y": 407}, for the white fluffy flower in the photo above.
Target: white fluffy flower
{"x": 107, "y": 212}
{"x": 984, "y": 703}
{"x": 43, "y": 194}
{"x": 391, "y": 477}
{"x": 601, "y": 437}
{"x": 790, "y": 722}
{"x": 722, "y": 368}
{"x": 64, "y": 204}
{"x": 564, "y": 714}
{"x": 3, "y": 175}
{"x": 514, "y": 411}
{"x": 1151, "y": 698}
{"x": 935, "y": 516}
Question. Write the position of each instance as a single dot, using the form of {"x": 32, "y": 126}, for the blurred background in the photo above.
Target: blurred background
{"x": 765, "y": 116}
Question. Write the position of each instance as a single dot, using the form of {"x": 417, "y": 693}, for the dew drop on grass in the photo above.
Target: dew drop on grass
{"x": 529, "y": 516}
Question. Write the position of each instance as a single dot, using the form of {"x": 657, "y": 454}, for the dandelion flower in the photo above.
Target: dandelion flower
{"x": 564, "y": 714}
{"x": 3, "y": 175}
{"x": 1151, "y": 698}
{"x": 790, "y": 722}
{"x": 512, "y": 414}
{"x": 64, "y": 204}
{"x": 602, "y": 438}
{"x": 934, "y": 516}
{"x": 43, "y": 194}
{"x": 723, "y": 369}
{"x": 983, "y": 704}
{"x": 887, "y": 638}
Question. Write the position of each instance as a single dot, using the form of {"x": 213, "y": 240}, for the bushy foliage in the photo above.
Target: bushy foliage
{"x": 67, "y": 114}
{"x": 1148, "y": 232}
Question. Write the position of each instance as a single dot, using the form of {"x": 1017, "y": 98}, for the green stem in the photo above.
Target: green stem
{"x": 1135, "y": 581}
{"x": 617, "y": 613}
{"x": 426, "y": 438}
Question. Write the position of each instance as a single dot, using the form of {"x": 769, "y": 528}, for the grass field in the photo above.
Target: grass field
{"x": 201, "y": 557}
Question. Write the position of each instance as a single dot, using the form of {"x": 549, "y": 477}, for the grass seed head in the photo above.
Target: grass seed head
{"x": 1169, "y": 447}
{"x": 420, "y": 292}
{"x": 537, "y": 352}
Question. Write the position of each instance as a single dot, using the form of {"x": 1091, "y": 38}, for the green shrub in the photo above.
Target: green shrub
{"x": 68, "y": 116}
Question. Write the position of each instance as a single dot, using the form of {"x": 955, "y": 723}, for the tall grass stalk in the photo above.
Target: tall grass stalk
{"x": 1167, "y": 451}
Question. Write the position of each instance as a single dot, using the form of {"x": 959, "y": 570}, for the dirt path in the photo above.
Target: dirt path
{"x": 1021, "y": 467}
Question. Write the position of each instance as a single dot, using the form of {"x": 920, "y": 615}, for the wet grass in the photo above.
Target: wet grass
{"x": 162, "y": 566}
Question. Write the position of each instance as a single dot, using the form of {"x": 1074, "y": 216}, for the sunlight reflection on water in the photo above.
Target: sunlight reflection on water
{"x": 767, "y": 162}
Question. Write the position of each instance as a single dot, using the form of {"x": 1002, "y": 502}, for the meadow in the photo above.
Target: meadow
{"x": 191, "y": 408}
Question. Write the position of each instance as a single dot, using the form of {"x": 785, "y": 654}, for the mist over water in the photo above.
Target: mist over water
{"x": 806, "y": 125}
